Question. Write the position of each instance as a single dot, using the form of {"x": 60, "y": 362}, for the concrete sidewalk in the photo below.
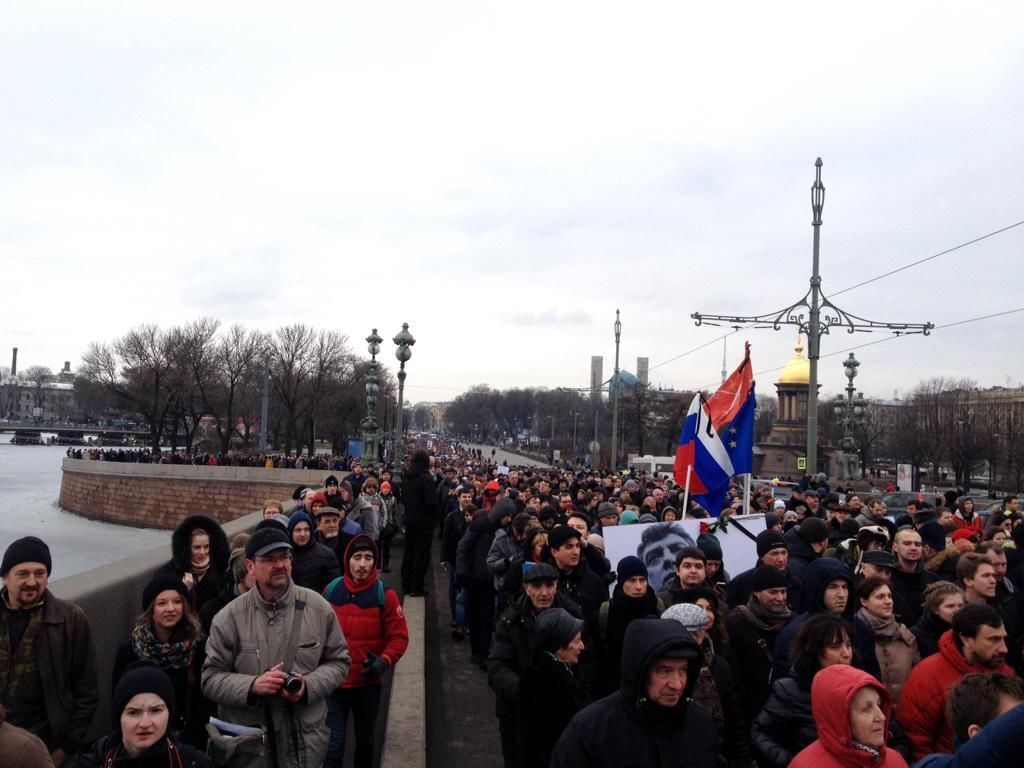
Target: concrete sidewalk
{"x": 461, "y": 727}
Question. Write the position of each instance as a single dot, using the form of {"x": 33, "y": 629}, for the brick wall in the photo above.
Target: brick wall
{"x": 162, "y": 495}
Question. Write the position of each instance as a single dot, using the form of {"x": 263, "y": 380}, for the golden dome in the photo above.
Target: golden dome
{"x": 797, "y": 370}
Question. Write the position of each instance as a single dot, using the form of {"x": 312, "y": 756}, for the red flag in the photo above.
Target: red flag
{"x": 723, "y": 405}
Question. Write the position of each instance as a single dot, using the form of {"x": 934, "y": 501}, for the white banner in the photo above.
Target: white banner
{"x": 658, "y": 543}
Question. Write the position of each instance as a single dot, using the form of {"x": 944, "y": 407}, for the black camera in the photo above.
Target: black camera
{"x": 292, "y": 683}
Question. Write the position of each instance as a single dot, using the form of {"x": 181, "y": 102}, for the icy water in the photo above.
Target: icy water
{"x": 29, "y": 488}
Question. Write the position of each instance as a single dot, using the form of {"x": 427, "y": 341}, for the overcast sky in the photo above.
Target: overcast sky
{"x": 503, "y": 177}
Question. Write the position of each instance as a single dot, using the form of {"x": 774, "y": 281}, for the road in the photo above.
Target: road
{"x": 502, "y": 456}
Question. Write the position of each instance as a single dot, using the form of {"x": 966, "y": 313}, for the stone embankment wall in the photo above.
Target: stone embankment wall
{"x": 162, "y": 495}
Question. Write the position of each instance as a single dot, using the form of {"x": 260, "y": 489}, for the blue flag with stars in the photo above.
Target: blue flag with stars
{"x": 739, "y": 436}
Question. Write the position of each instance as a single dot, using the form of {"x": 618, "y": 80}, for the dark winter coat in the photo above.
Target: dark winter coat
{"x": 513, "y": 649}
{"x": 213, "y": 580}
{"x": 912, "y": 586}
{"x": 785, "y": 724}
{"x": 752, "y": 654}
{"x": 1000, "y": 742}
{"x": 212, "y": 607}
{"x": 471, "y": 555}
{"x": 800, "y": 553}
{"x": 155, "y": 757}
{"x": 66, "y": 660}
{"x": 451, "y": 533}
{"x": 550, "y": 695}
{"x": 419, "y": 497}
{"x": 928, "y": 631}
{"x": 314, "y": 565}
{"x": 627, "y": 729}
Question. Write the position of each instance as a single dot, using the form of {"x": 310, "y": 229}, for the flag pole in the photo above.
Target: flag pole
{"x": 686, "y": 492}
{"x": 746, "y": 494}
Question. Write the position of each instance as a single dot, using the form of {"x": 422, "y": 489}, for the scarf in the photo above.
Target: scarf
{"x": 621, "y": 611}
{"x": 706, "y": 690}
{"x": 199, "y": 570}
{"x": 172, "y": 655}
{"x": 762, "y": 618}
{"x": 875, "y": 753}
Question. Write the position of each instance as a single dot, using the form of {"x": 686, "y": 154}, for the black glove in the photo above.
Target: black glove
{"x": 373, "y": 667}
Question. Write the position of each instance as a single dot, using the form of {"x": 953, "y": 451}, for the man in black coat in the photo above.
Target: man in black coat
{"x": 650, "y": 720}
{"x": 471, "y": 573}
{"x": 420, "y": 515}
{"x": 514, "y": 647}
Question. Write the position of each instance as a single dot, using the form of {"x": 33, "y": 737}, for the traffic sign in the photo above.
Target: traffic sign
{"x": 801, "y": 462}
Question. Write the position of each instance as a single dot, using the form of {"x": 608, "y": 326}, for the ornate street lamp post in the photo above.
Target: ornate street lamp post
{"x": 615, "y": 397}
{"x": 404, "y": 340}
{"x": 371, "y": 429}
{"x": 850, "y": 412}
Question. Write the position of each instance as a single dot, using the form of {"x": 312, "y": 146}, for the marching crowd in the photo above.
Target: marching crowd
{"x": 860, "y": 636}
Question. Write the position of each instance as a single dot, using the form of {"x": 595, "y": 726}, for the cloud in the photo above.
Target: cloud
{"x": 549, "y": 317}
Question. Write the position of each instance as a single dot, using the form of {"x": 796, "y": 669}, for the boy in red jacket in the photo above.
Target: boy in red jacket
{"x": 374, "y": 626}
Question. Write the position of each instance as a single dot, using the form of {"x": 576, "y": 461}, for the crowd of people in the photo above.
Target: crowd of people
{"x": 842, "y": 644}
{"x": 320, "y": 461}
{"x": 859, "y": 636}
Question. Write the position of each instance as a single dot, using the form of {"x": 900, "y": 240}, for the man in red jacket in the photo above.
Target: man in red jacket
{"x": 372, "y": 621}
{"x": 976, "y": 643}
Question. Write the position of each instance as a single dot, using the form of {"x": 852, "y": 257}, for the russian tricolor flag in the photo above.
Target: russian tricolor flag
{"x": 717, "y": 439}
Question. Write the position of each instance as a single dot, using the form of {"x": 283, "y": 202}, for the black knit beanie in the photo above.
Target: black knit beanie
{"x": 141, "y": 677}
{"x": 27, "y": 550}
{"x": 161, "y": 583}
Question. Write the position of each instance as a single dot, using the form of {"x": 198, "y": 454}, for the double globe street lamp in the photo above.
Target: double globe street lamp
{"x": 404, "y": 341}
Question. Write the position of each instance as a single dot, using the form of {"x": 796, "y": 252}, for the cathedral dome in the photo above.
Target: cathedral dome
{"x": 797, "y": 370}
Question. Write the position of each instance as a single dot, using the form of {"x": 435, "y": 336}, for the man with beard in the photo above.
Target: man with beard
{"x": 976, "y": 643}
{"x": 249, "y": 658}
{"x": 335, "y": 531}
{"x": 47, "y": 658}
{"x": 910, "y": 577}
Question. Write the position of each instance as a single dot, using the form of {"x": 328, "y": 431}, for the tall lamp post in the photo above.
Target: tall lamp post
{"x": 615, "y": 397}
{"x": 404, "y": 340}
{"x": 371, "y": 429}
{"x": 850, "y": 412}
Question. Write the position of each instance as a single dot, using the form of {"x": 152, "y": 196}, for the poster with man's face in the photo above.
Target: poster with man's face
{"x": 657, "y": 544}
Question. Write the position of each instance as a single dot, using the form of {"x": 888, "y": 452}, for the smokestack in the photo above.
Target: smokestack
{"x": 67, "y": 366}
{"x": 14, "y": 363}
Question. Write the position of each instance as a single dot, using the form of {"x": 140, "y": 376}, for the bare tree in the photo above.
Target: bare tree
{"x": 140, "y": 367}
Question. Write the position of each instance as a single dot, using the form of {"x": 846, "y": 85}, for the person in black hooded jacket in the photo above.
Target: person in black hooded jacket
{"x": 651, "y": 721}
{"x": 199, "y": 557}
{"x": 420, "y": 514}
{"x": 314, "y": 565}
{"x": 472, "y": 573}
{"x": 817, "y": 598}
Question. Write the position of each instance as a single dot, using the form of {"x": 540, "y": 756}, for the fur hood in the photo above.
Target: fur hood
{"x": 181, "y": 541}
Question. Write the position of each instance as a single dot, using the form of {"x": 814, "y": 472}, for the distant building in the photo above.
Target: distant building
{"x": 777, "y": 455}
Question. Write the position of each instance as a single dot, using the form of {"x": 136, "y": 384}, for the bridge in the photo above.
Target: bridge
{"x": 64, "y": 434}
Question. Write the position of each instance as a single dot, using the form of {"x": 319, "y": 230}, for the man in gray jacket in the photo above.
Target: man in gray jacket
{"x": 245, "y": 670}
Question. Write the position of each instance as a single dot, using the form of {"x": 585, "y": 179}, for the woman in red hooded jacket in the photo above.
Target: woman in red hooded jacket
{"x": 853, "y": 712}
{"x": 372, "y": 621}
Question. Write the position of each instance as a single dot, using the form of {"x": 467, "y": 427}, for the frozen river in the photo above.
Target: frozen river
{"x": 29, "y": 488}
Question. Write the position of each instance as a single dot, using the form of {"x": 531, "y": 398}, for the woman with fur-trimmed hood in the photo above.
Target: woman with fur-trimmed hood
{"x": 199, "y": 557}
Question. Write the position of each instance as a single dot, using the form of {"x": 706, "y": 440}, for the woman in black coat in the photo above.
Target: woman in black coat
{"x": 551, "y": 688}
{"x": 199, "y": 557}
{"x": 168, "y": 635}
{"x": 786, "y": 724}
{"x": 142, "y": 737}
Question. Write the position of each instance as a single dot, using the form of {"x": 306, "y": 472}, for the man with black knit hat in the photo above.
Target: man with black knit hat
{"x": 575, "y": 580}
{"x": 771, "y": 551}
{"x": 753, "y": 628}
{"x": 47, "y": 659}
